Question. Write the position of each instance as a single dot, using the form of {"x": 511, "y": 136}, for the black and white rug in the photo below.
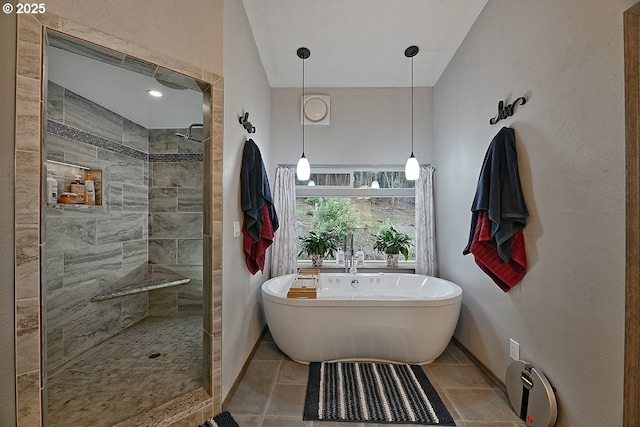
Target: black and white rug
{"x": 373, "y": 392}
{"x": 224, "y": 419}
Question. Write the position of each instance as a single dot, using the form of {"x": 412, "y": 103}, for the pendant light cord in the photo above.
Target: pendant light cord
{"x": 412, "y": 106}
{"x": 303, "y": 120}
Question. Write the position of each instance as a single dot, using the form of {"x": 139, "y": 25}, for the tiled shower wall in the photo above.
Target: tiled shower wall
{"x": 144, "y": 171}
{"x": 91, "y": 243}
{"x": 175, "y": 219}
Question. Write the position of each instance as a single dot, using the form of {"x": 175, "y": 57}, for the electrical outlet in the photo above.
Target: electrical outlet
{"x": 514, "y": 349}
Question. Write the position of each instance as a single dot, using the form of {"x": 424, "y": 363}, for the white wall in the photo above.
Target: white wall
{"x": 568, "y": 312}
{"x": 245, "y": 89}
{"x": 368, "y": 126}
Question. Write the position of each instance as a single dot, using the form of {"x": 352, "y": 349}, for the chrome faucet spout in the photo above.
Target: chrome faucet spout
{"x": 352, "y": 246}
{"x": 354, "y": 266}
{"x": 348, "y": 267}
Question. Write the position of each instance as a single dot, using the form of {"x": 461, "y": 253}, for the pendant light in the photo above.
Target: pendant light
{"x": 375, "y": 184}
{"x": 412, "y": 167}
{"x": 303, "y": 169}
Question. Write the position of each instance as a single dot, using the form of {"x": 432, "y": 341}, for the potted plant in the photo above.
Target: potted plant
{"x": 392, "y": 242}
{"x": 318, "y": 245}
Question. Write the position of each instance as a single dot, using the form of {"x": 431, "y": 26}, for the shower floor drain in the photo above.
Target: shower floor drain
{"x": 154, "y": 355}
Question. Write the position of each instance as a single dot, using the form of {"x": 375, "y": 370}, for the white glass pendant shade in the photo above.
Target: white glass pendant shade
{"x": 412, "y": 168}
{"x": 303, "y": 169}
{"x": 375, "y": 184}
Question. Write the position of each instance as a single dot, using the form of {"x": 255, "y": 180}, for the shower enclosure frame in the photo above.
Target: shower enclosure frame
{"x": 30, "y": 115}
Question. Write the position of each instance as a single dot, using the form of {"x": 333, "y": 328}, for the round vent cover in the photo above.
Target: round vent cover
{"x": 316, "y": 109}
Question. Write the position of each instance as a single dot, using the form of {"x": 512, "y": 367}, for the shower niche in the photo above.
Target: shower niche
{"x": 123, "y": 272}
{"x": 67, "y": 192}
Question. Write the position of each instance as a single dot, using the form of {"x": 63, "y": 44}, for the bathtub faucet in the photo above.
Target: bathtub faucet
{"x": 349, "y": 268}
{"x": 354, "y": 266}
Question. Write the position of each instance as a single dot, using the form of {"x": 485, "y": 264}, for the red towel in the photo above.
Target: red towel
{"x": 255, "y": 251}
{"x": 505, "y": 274}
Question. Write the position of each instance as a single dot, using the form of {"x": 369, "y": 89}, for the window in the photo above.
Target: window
{"x": 340, "y": 199}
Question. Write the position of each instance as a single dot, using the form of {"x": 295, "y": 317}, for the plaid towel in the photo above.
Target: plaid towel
{"x": 224, "y": 419}
{"x": 505, "y": 274}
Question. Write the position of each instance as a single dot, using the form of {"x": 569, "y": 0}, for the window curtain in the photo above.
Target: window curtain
{"x": 284, "y": 251}
{"x": 426, "y": 262}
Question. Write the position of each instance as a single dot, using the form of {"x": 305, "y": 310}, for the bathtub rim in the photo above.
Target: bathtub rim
{"x": 449, "y": 299}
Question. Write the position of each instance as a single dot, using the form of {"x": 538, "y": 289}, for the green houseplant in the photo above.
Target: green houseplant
{"x": 318, "y": 245}
{"x": 392, "y": 242}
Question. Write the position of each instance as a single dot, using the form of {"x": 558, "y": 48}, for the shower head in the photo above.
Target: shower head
{"x": 188, "y": 135}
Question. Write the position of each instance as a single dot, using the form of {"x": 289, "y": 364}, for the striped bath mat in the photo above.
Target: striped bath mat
{"x": 373, "y": 392}
{"x": 224, "y": 419}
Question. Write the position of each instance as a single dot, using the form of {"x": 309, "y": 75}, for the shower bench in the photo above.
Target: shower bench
{"x": 144, "y": 278}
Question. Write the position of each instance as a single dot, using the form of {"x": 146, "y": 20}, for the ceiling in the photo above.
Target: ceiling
{"x": 353, "y": 43}
{"x": 358, "y": 43}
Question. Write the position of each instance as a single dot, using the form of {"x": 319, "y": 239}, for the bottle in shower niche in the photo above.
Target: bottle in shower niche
{"x": 89, "y": 190}
{"x": 77, "y": 188}
{"x": 52, "y": 189}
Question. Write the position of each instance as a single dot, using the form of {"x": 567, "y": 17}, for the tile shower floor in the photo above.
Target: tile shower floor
{"x": 117, "y": 380}
{"x": 272, "y": 392}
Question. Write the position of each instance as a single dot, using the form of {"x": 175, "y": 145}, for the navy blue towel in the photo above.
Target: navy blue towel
{"x": 255, "y": 191}
{"x": 500, "y": 194}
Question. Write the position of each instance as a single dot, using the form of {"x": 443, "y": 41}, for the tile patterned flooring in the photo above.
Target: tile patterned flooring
{"x": 117, "y": 380}
{"x": 272, "y": 392}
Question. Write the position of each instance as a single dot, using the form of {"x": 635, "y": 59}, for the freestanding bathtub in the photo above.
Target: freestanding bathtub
{"x": 372, "y": 316}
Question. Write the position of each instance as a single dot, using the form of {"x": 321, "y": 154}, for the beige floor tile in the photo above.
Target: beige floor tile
{"x": 456, "y": 376}
{"x": 491, "y": 424}
{"x": 477, "y": 404}
{"x": 459, "y": 354}
{"x": 293, "y": 373}
{"x": 247, "y": 420}
{"x": 252, "y": 395}
{"x": 268, "y": 351}
{"x": 267, "y": 337}
{"x": 446, "y": 357}
{"x": 287, "y": 400}
{"x": 278, "y": 421}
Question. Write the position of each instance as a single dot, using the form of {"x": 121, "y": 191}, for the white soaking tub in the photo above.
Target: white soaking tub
{"x": 404, "y": 318}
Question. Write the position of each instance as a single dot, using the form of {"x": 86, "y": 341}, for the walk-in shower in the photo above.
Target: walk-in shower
{"x": 123, "y": 278}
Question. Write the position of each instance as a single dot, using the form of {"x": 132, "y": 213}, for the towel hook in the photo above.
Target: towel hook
{"x": 246, "y": 124}
{"x": 508, "y": 110}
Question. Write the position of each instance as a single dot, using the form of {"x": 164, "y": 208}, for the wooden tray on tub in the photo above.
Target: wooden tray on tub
{"x": 305, "y": 285}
